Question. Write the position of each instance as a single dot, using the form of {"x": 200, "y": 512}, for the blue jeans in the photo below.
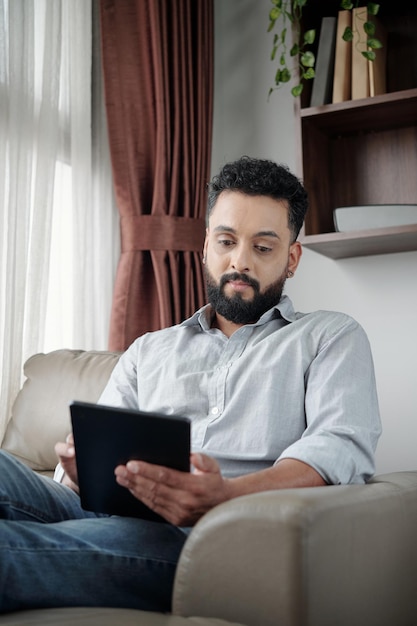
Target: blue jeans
{"x": 53, "y": 553}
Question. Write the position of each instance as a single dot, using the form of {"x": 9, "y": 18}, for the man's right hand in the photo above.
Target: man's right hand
{"x": 66, "y": 454}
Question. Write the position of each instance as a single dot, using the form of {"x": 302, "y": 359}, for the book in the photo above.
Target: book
{"x": 360, "y": 65}
{"x": 368, "y": 77}
{"x": 378, "y": 68}
{"x": 343, "y": 60}
{"x": 323, "y": 81}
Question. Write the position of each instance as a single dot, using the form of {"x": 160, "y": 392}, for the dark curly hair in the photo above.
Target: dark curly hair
{"x": 261, "y": 177}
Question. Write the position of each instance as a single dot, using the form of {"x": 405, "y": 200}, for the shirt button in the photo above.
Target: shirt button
{"x": 214, "y": 410}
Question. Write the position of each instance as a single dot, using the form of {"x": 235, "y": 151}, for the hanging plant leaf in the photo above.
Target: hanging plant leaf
{"x": 369, "y": 28}
{"x": 375, "y": 44}
{"x": 295, "y": 50}
{"x": 309, "y": 74}
{"x": 282, "y": 76}
{"x": 308, "y": 59}
{"x": 274, "y": 14}
{"x": 373, "y": 8}
{"x": 369, "y": 55}
{"x": 347, "y": 34}
{"x": 289, "y": 16}
{"x": 309, "y": 36}
{"x": 296, "y": 91}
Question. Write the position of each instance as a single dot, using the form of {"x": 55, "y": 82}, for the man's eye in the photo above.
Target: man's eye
{"x": 225, "y": 242}
{"x": 263, "y": 249}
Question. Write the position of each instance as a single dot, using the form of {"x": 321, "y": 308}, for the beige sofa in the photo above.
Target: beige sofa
{"x": 330, "y": 556}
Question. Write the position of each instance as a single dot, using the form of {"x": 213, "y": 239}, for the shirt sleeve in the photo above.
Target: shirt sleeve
{"x": 341, "y": 406}
{"x": 120, "y": 391}
{"x": 122, "y": 388}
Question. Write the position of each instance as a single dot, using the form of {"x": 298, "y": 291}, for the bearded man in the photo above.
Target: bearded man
{"x": 276, "y": 398}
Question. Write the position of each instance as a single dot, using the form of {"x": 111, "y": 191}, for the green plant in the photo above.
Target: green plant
{"x": 284, "y": 16}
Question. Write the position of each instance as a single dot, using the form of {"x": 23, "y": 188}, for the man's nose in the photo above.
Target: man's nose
{"x": 241, "y": 259}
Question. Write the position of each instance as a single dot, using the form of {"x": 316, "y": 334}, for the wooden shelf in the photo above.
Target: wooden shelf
{"x": 368, "y": 155}
{"x": 388, "y": 111}
{"x": 363, "y": 152}
{"x": 363, "y": 243}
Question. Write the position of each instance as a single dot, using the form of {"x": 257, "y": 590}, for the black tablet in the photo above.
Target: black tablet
{"x": 105, "y": 437}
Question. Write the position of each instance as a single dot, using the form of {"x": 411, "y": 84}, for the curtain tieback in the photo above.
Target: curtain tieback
{"x": 162, "y": 232}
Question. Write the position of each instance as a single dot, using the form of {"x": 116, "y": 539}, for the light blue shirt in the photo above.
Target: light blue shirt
{"x": 292, "y": 385}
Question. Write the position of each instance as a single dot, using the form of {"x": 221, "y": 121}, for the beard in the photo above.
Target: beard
{"x": 234, "y": 308}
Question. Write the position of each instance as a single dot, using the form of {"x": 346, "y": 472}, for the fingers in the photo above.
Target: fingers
{"x": 158, "y": 492}
{"x": 180, "y": 497}
{"x": 136, "y": 475}
{"x": 65, "y": 451}
{"x": 140, "y": 473}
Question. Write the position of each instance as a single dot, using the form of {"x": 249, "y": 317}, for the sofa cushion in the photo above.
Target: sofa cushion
{"x": 40, "y": 414}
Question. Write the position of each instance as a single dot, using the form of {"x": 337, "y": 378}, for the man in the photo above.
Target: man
{"x": 277, "y": 399}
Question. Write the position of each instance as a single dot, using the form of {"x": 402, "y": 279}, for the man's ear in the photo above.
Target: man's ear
{"x": 294, "y": 256}
{"x": 205, "y": 244}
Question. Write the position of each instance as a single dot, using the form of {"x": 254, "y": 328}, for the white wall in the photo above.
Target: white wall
{"x": 245, "y": 122}
{"x": 379, "y": 291}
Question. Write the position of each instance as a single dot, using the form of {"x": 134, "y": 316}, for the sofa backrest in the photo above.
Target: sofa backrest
{"x": 40, "y": 414}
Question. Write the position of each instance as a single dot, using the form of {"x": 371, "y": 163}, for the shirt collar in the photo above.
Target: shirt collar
{"x": 283, "y": 309}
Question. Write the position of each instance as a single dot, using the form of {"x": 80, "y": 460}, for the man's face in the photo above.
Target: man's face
{"x": 248, "y": 254}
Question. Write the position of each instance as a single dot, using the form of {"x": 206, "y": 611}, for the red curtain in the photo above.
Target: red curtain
{"x": 158, "y": 81}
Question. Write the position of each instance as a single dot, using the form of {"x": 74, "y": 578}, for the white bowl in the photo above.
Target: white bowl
{"x": 370, "y": 216}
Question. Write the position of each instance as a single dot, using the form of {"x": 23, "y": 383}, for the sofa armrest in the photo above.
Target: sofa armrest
{"x": 298, "y": 557}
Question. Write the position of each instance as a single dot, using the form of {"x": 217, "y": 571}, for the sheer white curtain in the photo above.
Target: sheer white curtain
{"x": 58, "y": 224}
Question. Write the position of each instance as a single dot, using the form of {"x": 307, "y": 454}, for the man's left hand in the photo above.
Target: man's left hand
{"x": 179, "y": 497}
